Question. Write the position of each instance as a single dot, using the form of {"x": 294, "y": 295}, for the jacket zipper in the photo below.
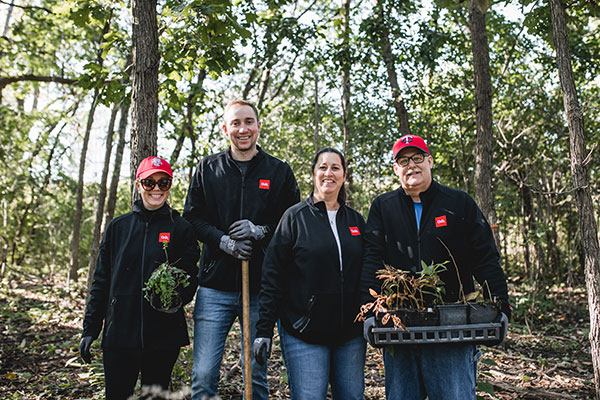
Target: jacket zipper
{"x": 142, "y": 285}
{"x": 341, "y": 267}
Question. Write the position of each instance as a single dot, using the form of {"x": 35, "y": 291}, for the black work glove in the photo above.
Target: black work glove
{"x": 240, "y": 249}
{"x": 84, "y": 348}
{"x": 245, "y": 229}
{"x": 368, "y": 326}
{"x": 261, "y": 348}
{"x": 503, "y": 327}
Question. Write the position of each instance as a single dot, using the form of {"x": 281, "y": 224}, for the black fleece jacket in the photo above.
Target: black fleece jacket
{"x": 303, "y": 283}
{"x": 219, "y": 195}
{"x": 129, "y": 252}
{"x": 451, "y": 219}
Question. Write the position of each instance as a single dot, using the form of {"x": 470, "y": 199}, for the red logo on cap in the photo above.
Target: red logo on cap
{"x": 264, "y": 184}
{"x": 440, "y": 221}
{"x": 164, "y": 237}
{"x": 354, "y": 231}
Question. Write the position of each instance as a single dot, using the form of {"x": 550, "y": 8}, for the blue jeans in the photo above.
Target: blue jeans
{"x": 447, "y": 372}
{"x": 214, "y": 314}
{"x": 311, "y": 367}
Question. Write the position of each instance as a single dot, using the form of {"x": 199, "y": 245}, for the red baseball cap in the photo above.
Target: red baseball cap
{"x": 409, "y": 141}
{"x": 152, "y": 165}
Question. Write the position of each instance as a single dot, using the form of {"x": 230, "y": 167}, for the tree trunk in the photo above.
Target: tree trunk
{"x": 144, "y": 97}
{"x": 346, "y": 111}
{"x": 101, "y": 199}
{"x": 388, "y": 60}
{"x": 11, "y": 6}
{"x": 317, "y": 119}
{"x": 583, "y": 198}
{"x": 114, "y": 181}
{"x": 264, "y": 85}
{"x": 86, "y": 138}
{"x": 79, "y": 199}
{"x": 484, "y": 191}
{"x": 187, "y": 130}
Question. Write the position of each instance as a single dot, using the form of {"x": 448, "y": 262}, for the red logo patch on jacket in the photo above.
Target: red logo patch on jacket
{"x": 164, "y": 237}
{"x": 264, "y": 184}
{"x": 354, "y": 231}
{"x": 441, "y": 221}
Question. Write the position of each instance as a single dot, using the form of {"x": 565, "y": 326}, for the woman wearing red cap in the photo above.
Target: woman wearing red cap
{"x": 137, "y": 338}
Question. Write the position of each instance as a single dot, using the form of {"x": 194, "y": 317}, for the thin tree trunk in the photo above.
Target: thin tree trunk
{"x": 187, "y": 130}
{"x": 346, "y": 111}
{"x": 317, "y": 118}
{"x": 484, "y": 191}
{"x": 7, "y": 21}
{"x": 250, "y": 82}
{"x": 264, "y": 86}
{"x": 86, "y": 138}
{"x": 583, "y": 198}
{"x": 388, "y": 60}
{"x": 114, "y": 181}
{"x": 144, "y": 97}
{"x": 101, "y": 199}
{"x": 79, "y": 200}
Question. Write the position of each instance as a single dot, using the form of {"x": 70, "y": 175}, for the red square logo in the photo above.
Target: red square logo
{"x": 441, "y": 221}
{"x": 354, "y": 231}
{"x": 164, "y": 237}
{"x": 264, "y": 184}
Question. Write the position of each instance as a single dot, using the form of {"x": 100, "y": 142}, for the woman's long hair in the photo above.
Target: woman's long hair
{"x": 342, "y": 194}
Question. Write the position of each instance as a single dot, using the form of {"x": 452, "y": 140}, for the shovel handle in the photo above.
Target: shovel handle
{"x": 246, "y": 329}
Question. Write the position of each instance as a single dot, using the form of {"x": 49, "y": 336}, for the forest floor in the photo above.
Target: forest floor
{"x": 544, "y": 357}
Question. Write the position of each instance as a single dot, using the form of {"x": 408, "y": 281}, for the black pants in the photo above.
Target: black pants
{"x": 122, "y": 367}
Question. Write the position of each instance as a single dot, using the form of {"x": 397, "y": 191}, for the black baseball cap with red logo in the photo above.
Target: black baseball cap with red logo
{"x": 409, "y": 141}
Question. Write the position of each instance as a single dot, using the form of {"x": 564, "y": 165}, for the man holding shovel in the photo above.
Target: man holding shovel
{"x": 234, "y": 202}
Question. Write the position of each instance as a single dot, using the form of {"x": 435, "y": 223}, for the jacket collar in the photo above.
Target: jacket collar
{"x": 426, "y": 196}
{"x": 320, "y": 205}
{"x": 138, "y": 208}
{"x": 259, "y": 155}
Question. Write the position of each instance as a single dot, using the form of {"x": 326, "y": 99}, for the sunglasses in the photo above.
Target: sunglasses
{"x": 164, "y": 184}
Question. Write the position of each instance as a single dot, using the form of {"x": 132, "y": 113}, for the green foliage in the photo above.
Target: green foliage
{"x": 164, "y": 282}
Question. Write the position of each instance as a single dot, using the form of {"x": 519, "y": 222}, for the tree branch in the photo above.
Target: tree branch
{"x": 7, "y": 80}
{"x": 26, "y": 7}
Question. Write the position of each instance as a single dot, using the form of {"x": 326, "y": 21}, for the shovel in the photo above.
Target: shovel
{"x": 246, "y": 330}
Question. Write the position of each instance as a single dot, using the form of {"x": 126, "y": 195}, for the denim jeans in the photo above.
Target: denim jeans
{"x": 440, "y": 372}
{"x": 214, "y": 314}
{"x": 311, "y": 367}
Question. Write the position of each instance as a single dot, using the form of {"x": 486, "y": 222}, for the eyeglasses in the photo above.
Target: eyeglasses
{"x": 417, "y": 159}
{"x": 164, "y": 184}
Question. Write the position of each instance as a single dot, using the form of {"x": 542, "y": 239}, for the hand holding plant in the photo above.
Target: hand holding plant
{"x": 163, "y": 283}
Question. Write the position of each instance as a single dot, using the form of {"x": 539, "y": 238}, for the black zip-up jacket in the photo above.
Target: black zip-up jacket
{"x": 129, "y": 252}
{"x": 303, "y": 283}
{"x": 450, "y": 216}
{"x": 219, "y": 195}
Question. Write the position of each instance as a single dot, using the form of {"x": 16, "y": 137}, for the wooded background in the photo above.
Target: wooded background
{"x": 506, "y": 93}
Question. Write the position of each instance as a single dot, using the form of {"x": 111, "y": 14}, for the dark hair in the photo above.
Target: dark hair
{"x": 242, "y": 103}
{"x": 342, "y": 194}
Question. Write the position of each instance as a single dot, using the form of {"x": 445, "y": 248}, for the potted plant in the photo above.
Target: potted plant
{"x": 407, "y": 299}
{"x": 161, "y": 289}
{"x": 482, "y": 309}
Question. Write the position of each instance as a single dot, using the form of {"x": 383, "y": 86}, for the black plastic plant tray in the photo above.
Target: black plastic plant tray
{"x": 487, "y": 333}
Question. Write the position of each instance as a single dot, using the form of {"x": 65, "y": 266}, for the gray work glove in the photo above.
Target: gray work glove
{"x": 84, "y": 348}
{"x": 245, "y": 229}
{"x": 368, "y": 326}
{"x": 261, "y": 348}
{"x": 240, "y": 249}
